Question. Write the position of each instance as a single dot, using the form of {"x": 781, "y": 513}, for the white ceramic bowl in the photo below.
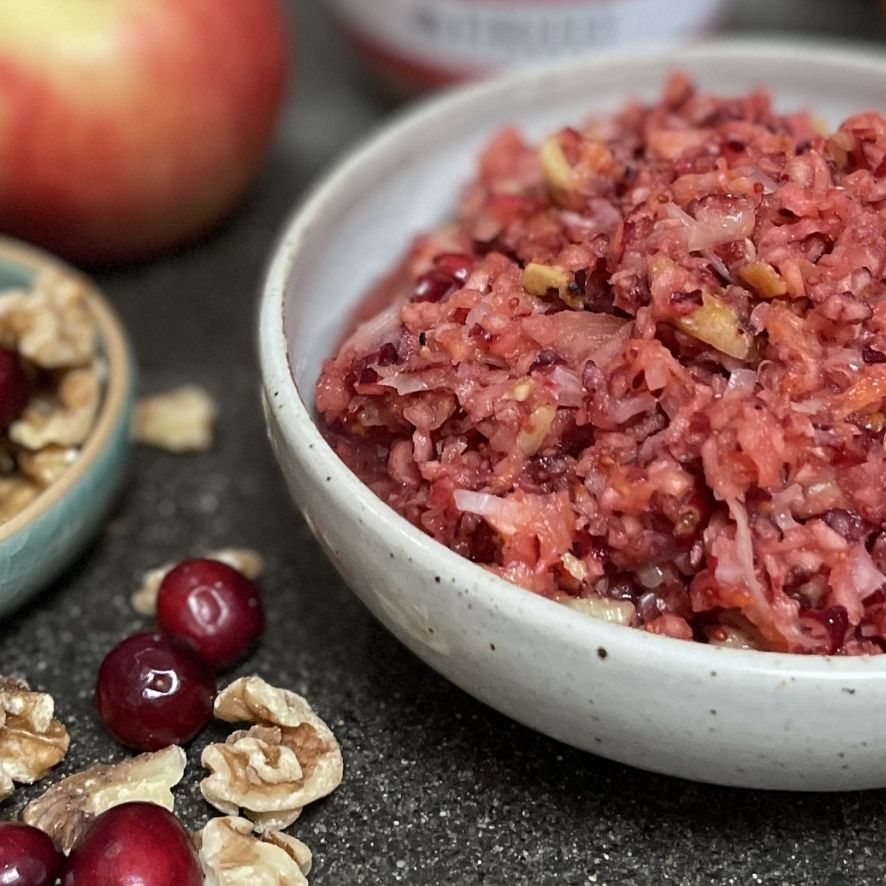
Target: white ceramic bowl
{"x": 728, "y": 716}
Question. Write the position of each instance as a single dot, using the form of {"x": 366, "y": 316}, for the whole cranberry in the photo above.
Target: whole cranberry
{"x": 134, "y": 844}
{"x": 27, "y": 856}
{"x": 153, "y": 691}
{"x": 214, "y": 606}
{"x": 14, "y": 388}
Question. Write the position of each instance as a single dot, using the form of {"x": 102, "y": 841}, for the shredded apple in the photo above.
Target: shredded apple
{"x": 645, "y": 367}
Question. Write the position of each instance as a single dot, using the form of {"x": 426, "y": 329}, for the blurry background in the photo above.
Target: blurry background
{"x": 336, "y": 102}
{"x": 838, "y": 18}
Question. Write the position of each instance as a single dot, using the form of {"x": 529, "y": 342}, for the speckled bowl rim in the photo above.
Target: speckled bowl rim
{"x": 303, "y": 437}
{"x": 117, "y": 383}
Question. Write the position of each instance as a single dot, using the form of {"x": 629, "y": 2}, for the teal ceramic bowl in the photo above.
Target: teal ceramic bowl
{"x": 46, "y": 536}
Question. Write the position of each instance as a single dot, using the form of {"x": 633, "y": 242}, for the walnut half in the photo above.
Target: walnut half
{"x": 180, "y": 420}
{"x": 51, "y": 324}
{"x": 32, "y": 741}
{"x": 270, "y": 772}
{"x": 232, "y": 856}
{"x": 63, "y": 417}
{"x": 66, "y": 809}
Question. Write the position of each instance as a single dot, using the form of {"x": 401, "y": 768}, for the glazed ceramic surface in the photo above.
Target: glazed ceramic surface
{"x": 722, "y": 715}
{"x": 41, "y": 540}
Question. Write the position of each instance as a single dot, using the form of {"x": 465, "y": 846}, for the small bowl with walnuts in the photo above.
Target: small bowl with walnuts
{"x": 66, "y": 394}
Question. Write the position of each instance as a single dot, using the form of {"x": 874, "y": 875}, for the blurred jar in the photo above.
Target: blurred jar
{"x": 414, "y": 45}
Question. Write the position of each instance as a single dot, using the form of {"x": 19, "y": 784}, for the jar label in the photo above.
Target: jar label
{"x": 474, "y": 35}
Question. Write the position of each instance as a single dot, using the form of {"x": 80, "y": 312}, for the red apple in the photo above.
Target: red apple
{"x": 126, "y": 126}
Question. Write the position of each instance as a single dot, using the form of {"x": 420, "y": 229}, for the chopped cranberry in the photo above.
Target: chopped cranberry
{"x": 387, "y": 355}
{"x": 362, "y": 371}
{"x": 134, "y": 844}
{"x": 699, "y": 428}
{"x": 433, "y": 286}
{"x": 213, "y": 606}
{"x": 623, "y": 236}
{"x": 456, "y": 265}
{"x": 485, "y": 544}
{"x": 477, "y": 331}
{"x": 847, "y": 524}
{"x": 576, "y": 439}
{"x": 153, "y": 691}
{"x": 450, "y": 271}
{"x": 27, "y": 856}
{"x": 870, "y": 355}
{"x": 547, "y": 469}
{"x": 692, "y": 518}
{"x": 484, "y": 247}
{"x": 834, "y": 620}
{"x": 817, "y": 245}
{"x": 14, "y": 388}
{"x": 875, "y": 598}
{"x": 584, "y": 545}
{"x": 547, "y": 357}
{"x": 459, "y": 315}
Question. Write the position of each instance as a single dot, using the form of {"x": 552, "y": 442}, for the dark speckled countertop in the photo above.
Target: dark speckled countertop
{"x": 438, "y": 789}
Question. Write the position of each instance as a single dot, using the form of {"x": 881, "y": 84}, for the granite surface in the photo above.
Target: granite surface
{"x": 438, "y": 788}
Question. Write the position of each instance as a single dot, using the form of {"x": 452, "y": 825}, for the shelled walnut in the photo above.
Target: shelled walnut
{"x": 32, "y": 741}
{"x": 232, "y": 856}
{"x": 66, "y": 809}
{"x": 180, "y": 420}
{"x": 270, "y": 772}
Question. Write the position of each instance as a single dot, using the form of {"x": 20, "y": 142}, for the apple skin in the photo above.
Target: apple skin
{"x": 129, "y": 127}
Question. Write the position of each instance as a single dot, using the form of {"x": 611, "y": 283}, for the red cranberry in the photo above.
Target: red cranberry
{"x": 387, "y": 355}
{"x": 214, "y": 606}
{"x": 451, "y": 270}
{"x": 433, "y": 286}
{"x": 27, "y": 856}
{"x": 14, "y": 388}
{"x": 153, "y": 691}
{"x": 834, "y": 620}
{"x": 134, "y": 844}
{"x": 456, "y": 265}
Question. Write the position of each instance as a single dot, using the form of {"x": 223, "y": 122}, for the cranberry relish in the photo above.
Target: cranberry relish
{"x": 643, "y": 372}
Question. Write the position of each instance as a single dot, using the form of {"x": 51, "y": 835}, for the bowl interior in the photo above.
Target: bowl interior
{"x": 407, "y": 179}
